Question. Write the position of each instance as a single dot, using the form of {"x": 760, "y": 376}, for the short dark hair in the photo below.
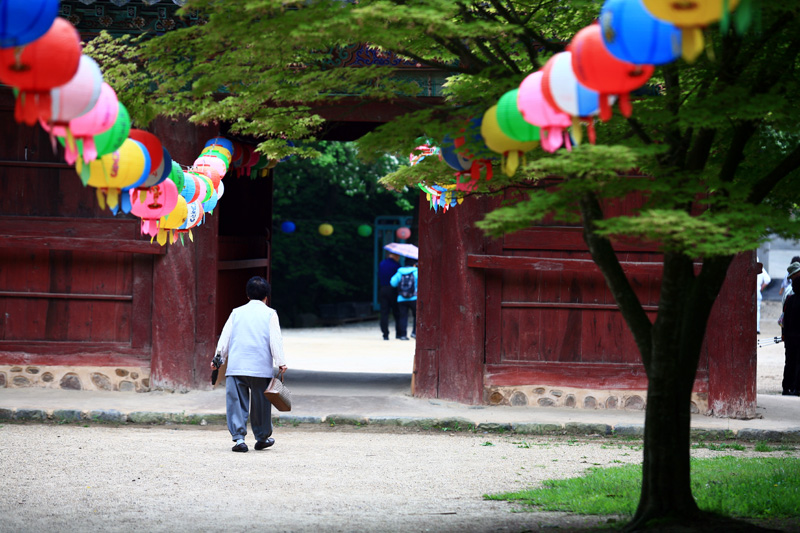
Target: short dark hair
{"x": 796, "y": 259}
{"x": 258, "y": 288}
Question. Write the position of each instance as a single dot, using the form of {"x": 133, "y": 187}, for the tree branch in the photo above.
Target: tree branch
{"x": 766, "y": 184}
{"x": 742, "y": 133}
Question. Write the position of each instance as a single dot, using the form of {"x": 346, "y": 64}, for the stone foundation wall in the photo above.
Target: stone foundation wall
{"x": 105, "y": 378}
{"x": 546, "y": 396}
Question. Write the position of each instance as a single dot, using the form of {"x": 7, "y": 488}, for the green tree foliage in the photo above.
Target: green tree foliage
{"x": 712, "y": 149}
{"x": 309, "y": 269}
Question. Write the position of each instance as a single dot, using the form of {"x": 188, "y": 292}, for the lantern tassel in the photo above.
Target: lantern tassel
{"x": 114, "y": 199}
{"x": 71, "y": 148}
{"x": 89, "y": 149}
{"x": 551, "y": 139}
{"x": 591, "y": 131}
{"x": 101, "y": 198}
{"x": 510, "y": 162}
{"x": 605, "y": 108}
{"x": 624, "y": 103}
{"x": 577, "y": 132}
{"x": 692, "y": 43}
{"x": 125, "y": 203}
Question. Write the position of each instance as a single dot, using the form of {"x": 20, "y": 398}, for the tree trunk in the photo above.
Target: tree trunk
{"x": 670, "y": 350}
{"x": 666, "y": 489}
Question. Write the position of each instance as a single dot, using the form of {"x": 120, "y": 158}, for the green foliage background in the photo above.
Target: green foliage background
{"x": 309, "y": 269}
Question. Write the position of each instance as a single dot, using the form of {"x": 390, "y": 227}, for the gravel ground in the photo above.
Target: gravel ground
{"x": 317, "y": 478}
{"x": 161, "y": 478}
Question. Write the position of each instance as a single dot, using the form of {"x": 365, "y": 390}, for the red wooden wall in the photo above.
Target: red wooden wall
{"x": 81, "y": 287}
{"x": 531, "y": 308}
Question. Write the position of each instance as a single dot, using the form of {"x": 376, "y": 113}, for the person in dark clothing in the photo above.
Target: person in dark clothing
{"x": 791, "y": 334}
{"x": 387, "y": 295}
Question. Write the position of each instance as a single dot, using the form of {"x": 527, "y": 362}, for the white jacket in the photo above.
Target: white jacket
{"x": 251, "y": 341}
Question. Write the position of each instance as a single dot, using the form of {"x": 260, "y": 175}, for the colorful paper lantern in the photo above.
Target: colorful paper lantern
{"x": 161, "y": 163}
{"x": 152, "y": 204}
{"x": 511, "y": 121}
{"x": 78, "y": 96}
{"x": 189, "y": 191}
{"x": 537, "y": 110}
{"x": 194, "y": 215}
{"x": 632, "y": 34}
{"x": 326, "y": 230}
{"x": 49, "y": 61}
{"x": 365, "y": 230}
{"x": 151, "y": 143}
{"x": 227, "y": 144}
{"x": 288, "y": 227}
{"x": 690, "y": 17}
{"x": 211, "y": 203}
{"x": 403, "y": 233}
{"x": 176, "y": 175}
{"x": 562, "y": 90}
{"x": 452, "y": 156}
{"x": 115, "y": 172}
{"x": 597, "y": 69}
{"x": 111, "y": 139}
{"x": 83, "y": 128}
{"x": 169, "y": 224}
{"x": 512, "y": 151}
{"x": 24, "y": 21}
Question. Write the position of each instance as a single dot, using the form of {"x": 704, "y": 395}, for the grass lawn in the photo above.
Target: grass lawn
{"x": 755, "y": 488}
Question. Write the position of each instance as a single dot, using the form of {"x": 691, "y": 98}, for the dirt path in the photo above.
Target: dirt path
{"x": 97, "y": 478}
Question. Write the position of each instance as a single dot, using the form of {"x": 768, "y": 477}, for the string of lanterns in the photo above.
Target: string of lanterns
{"x": 325, "y": 229}
{"x": 63, "y": 91}
{"x": 601, "y": 66}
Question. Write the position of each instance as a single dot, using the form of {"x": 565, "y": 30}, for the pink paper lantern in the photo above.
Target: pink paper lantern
{"x": 536, "y": 110}
{"x": 403, "y": 233}
{"x": 99, "y": 119}
{"x": 151, "y": 205}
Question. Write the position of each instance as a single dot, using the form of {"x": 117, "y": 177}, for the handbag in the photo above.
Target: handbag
{"x": 278, "y": 395}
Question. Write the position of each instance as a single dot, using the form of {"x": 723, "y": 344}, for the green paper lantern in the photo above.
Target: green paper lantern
{"x": 111, "y": 139}
{"x": 365, "y": 230}
{"x": 511, "y": 122}
{"x": 176, "y": 175}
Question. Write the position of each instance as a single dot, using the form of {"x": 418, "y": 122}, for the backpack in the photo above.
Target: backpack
{"x": 407, "y": 286}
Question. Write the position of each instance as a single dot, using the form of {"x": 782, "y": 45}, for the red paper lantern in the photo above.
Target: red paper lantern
{"x": 597, "y": 69}
{"x": 403, "y": 233}
{"x": 50, "y": 61}
{"x": 153, "y": 146}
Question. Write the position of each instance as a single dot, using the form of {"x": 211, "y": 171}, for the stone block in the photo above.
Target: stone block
{"x": 537, "y": 429}
{"x": 67, "y": 415}
{"x": 108, "y": 416}
{"x": 580, "y": 428}
{"x": 30, "y": 414}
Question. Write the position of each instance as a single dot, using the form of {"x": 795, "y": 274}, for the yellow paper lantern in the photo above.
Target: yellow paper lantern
{"x": 115, "y": 171}
{"x": 172, "y": 221}
{"x": 512, "y": 151}
{"x": 325, "y": 230}
{"x": 690, "y": 17}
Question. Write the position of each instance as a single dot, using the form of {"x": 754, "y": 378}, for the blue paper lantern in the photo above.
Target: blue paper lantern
{"x": 24, "y": 21}
{"x": 288, "y": 227}
{"x": 632, "y": 34}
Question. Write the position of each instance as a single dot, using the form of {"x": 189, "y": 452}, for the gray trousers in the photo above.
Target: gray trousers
{"x": 245, "y": 395}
